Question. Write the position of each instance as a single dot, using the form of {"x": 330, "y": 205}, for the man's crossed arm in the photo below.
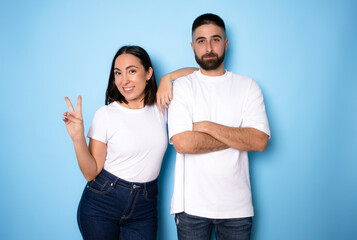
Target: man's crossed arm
{"x": 210, "y": 137}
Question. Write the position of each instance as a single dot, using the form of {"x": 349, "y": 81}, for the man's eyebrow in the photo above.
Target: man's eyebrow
{"x": 199, "y": 38}
{"x": 214, "y": 36}
{"x": 219, "y": 36}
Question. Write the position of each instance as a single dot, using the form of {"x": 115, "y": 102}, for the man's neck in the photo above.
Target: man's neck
{"x": 215, "y": 72}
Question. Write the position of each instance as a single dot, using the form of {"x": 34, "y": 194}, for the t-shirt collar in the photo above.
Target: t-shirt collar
{"x": 206, "y": 78}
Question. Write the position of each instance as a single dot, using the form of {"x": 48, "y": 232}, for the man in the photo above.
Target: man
{"x": 215, "y": 118}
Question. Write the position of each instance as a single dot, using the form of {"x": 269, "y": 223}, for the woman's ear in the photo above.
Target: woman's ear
{"x": 149, "y": 73}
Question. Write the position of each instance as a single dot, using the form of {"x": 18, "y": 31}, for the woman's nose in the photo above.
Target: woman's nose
{"x": 126, "y": 80}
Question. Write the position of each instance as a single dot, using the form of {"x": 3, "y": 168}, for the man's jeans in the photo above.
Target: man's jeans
{"x": 112, "y": 208}
{"x": 198, "y": 228}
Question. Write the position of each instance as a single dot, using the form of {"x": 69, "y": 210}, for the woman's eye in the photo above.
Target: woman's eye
{"x": 116, "y": 73}
{"x": 132, "y": 71}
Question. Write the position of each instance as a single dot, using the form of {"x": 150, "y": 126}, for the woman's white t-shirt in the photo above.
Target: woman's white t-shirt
{"x": 136, "y": 140}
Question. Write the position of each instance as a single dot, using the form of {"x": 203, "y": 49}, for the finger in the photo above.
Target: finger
{"x": 158, "y": 103}
{"x": 69, "y": 104}
{"x": 167, "y": 100}
{"x": 164, "y": 104}
{"x": 170, "y": 93}
{"x": 79, "y": 104}
{"x": 73, "y": 119}
{"x": 65, "y": 117}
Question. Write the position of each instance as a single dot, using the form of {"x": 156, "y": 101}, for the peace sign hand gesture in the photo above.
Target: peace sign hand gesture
{"x": 74, "y": 119}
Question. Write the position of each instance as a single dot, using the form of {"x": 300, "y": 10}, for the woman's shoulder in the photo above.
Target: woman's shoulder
{"x": 102, "y": 109}
{"x": 106, "y": 109}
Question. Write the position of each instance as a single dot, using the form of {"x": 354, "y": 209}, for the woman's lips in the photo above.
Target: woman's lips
{"x": 128, "y": 89}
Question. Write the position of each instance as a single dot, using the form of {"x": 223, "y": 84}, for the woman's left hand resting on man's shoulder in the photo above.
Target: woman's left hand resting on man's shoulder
{"x": 164, "y": 93}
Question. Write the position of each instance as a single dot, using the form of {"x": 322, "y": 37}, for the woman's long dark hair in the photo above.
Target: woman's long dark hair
{"x": 112, "y": 94}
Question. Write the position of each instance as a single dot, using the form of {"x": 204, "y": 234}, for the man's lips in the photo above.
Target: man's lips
{"x": 209, "y": 56}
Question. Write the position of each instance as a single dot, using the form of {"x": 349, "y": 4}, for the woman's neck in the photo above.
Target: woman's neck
{"x": 133, "y": 104}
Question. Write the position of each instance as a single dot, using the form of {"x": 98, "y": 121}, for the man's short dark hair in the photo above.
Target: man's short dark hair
{"x": 208, "y": 18}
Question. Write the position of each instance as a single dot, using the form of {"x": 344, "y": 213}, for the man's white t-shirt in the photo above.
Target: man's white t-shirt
{"x": 216, "y": 184}
{"x": 136, "y": 140}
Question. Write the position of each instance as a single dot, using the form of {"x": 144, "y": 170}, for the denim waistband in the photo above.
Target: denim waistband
{"x": 118, "y": 181}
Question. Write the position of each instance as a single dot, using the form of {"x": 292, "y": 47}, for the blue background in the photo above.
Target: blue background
{"x": 303, "y": 54}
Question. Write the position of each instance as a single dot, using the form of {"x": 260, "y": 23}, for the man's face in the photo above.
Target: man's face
{"x": 209, "y": 45}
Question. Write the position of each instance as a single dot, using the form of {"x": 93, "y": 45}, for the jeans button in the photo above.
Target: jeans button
{"x": 134, "y": 186}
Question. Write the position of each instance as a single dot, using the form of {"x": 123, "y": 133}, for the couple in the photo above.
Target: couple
{"x": 214, "y": 119}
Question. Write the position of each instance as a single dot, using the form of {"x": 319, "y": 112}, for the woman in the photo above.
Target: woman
{"x": 128, "y": 140}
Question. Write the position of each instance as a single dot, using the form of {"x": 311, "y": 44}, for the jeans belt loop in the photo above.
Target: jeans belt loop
{"x": 115, "y": 182}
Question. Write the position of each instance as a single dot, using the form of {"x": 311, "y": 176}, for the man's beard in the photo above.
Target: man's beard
{"x": 211, "y": 64}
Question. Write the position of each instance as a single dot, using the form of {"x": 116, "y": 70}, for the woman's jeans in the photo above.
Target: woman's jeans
{"x": 112, "y": 208}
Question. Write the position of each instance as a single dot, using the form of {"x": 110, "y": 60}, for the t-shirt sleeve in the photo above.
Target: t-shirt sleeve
{"x": 98, "y": 128}
{"x": 180, "y": 110}
{"x": 254, "y": 114}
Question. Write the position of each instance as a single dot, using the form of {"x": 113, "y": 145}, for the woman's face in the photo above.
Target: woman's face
{"x": 130, "y": 79}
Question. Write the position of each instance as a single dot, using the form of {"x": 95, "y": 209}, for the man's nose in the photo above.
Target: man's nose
{"x": 209, "y": 47}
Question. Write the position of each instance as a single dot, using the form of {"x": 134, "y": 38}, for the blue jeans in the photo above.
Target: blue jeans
{"x": 112, "y": 208}
{"x": 191, "y": 227}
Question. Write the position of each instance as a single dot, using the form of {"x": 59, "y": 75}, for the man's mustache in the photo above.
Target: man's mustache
{"x": 210, "y": 54}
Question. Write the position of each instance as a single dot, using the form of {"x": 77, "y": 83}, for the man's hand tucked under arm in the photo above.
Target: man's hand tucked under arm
{"x": 243, "y": 139}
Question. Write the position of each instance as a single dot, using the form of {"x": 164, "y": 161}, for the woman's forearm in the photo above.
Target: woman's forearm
{"x": 86, "y": 161}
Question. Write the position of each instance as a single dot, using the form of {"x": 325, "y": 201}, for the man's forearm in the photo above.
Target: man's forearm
{"x": 243, "y": 139}
{"x": 196, "y": 142}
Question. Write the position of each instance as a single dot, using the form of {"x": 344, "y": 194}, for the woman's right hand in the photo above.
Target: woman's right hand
{"x": 74, "y": 119}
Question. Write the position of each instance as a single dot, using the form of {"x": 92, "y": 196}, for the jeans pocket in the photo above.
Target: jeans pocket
{"x": 151, "y": 194}
{"x": 177, "y": 219}
{"x": 100, "y": 186}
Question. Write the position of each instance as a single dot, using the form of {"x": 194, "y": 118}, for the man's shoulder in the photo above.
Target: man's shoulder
{"x": 185, "y": 81}
{"x": 188, "y": 78}
{"x": 245, "y": 82}
{"x": 240, "y": 77}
